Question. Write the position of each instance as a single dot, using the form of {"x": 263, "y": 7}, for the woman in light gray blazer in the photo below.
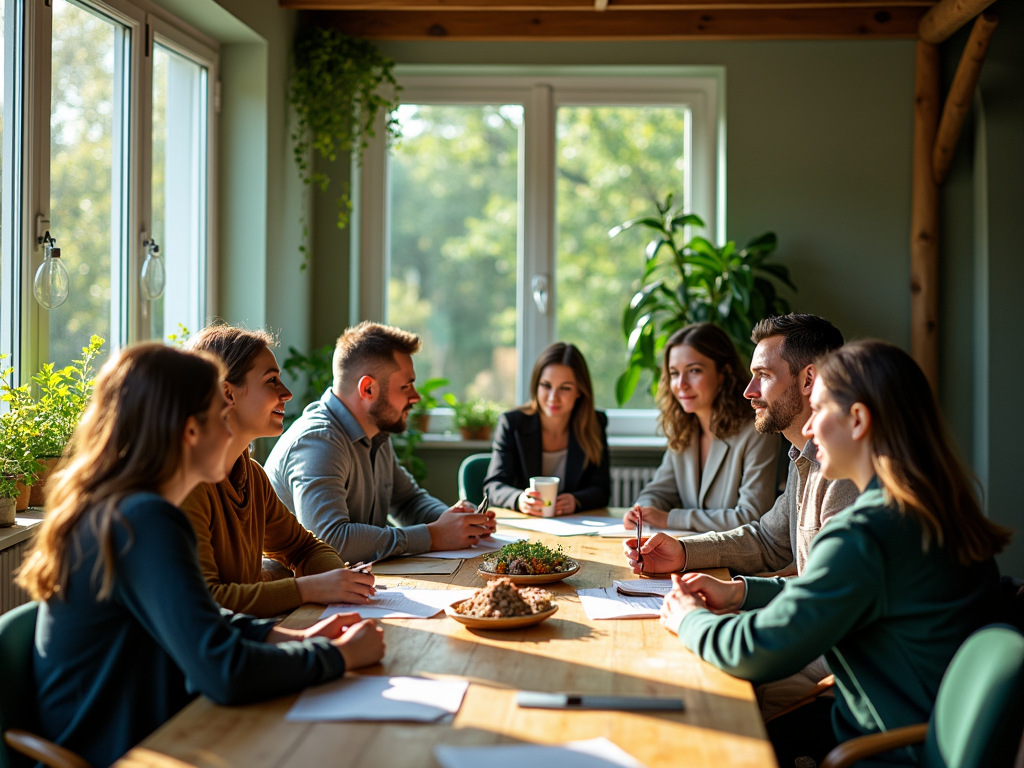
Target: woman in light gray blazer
{"x": 718, "y": 472}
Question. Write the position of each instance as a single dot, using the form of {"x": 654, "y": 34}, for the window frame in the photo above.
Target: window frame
{"x": 24, "y": 334}
{"x": 541, "y": 91}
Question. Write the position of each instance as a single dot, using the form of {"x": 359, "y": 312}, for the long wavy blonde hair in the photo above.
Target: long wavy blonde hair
{"x": 910, "y": 450}
{"x": 584, "y": 418}
{"x": 129, "y": 440}
{"x": 729, "y": 411}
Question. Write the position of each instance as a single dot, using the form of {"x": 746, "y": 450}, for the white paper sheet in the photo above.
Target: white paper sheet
{"x": 660, "y": 587}
{"x": 607, "y": 603}
{"x": 485, "y": 546}
{"x": 593, "y": 753}
{"x": 570, "y": 525}
{"x": 619, "y": 532}
{"x": 366, "y": 697}
{"x": 402, "y": 603}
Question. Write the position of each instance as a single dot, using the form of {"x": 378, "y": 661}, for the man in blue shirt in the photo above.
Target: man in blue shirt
{"x": 335, "y": 467}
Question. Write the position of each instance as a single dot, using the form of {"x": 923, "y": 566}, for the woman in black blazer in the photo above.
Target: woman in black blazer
{"x": 558, "y": 433}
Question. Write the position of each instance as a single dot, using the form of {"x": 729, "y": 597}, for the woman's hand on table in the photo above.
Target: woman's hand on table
{"x": 332, "y": 628}
{"x": 338, "y": 586}
{"x": 652, "y": 516}
{"x": 714, "y": 594}
{"x": 361, "y": 644}
{"x": 531, "y": 503}
{"x": 662, "y": 554}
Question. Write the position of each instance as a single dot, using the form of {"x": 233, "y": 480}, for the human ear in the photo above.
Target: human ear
{"x": 861, "y": 418}
{"x": 191, "y": 434}
{"x": 367, "y": 388}
{"x": 229, "y": 392}
{"x": 807, "y": 377}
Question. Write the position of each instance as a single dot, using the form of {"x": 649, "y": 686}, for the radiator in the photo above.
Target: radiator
{"x": 627, "y": 482}
{"x": 11, "y": 595}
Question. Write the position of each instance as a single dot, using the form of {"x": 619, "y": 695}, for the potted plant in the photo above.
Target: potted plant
{"x": 18, "y": 466}
{"x": 694, "y": 281}
{"x": 336, "y": 92}
{"x": 474, "y": 418}
{"x": 421, "y": 411}
{"x": 55, "y": 413}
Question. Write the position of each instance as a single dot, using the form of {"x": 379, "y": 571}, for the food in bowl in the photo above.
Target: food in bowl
{"x": 527, "y": 558}
{"x": 501, "y": 599}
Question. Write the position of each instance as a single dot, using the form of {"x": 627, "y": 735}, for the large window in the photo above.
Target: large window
{"x": 115, "y": 165}
{"x": 491, "y": 214}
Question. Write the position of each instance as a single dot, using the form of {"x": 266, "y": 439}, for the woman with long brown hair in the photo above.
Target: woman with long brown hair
{"x": 719, "y": 471}
{"x": 893, "y": 584}
{"x": 557, "y": 434}
{"x": 240, "y": 518}
{"x": 127, "y": 632}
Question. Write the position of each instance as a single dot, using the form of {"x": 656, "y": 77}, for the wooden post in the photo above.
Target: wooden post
{"x": 947, "y": 16}
{"x": 961, "y": 92}
{"x": 924, "y": 238}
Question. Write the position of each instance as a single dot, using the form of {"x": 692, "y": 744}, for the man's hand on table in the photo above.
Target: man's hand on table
{"x": 338, "y": 586}
{"x": 531, "y": 503}
{"x": 696, "y": 591}
{"x": 662, "y": 554}
{"x": 652, "y": 516}
{"x": 459, "y": 527}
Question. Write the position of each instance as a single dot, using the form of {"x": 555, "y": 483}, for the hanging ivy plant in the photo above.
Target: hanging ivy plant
{"x": 336, "y": 93}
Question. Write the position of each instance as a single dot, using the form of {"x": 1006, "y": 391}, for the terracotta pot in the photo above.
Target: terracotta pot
{"x": 475, "y": 433}
{"x": 21, "y": 503}
{"x": 38, "y": 491}
{"x": 7, "y": 513}
{"x": 421, "y": 421}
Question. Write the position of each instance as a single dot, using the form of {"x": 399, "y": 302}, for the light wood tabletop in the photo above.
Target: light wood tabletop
{"x": 721, "y": 727}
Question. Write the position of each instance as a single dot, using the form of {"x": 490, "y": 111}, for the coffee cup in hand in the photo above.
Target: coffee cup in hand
{"x": 547, "y": 487}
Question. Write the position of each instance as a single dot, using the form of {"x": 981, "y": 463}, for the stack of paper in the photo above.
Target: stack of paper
{"x": 380, "y": 698}
{"x": 644, "y": 587}
{"x": 593, "y": 753}
{"x": 571, "y": 525}
{"x": 607, "y": 603}
{"x": 402, "y": 603}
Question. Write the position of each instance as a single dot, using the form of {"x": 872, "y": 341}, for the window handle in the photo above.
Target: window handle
{"x": 540, "y": 293}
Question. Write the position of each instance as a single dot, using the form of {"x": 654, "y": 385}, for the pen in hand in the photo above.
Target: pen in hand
{"x": 639, "y": 533}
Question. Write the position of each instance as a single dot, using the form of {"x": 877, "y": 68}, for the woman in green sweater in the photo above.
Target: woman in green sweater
{"x": 127, "y": 632}
{"x": 893, "y": 584}
{"x": 240, "y": 519}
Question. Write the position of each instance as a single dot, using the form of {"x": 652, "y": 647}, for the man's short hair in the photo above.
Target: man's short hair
{"x": 805, "y": 338}
{"x": 368, "y": 349}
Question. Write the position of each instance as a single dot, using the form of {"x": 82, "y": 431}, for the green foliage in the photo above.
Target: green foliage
{"x": 334, "y": 90}
{"x": 426, "y": 389}
{"x": 691, "y": 282}
{"x": 316, "y": 367}
{"x": 17, "y": 429}
{"x": 179, "y": 339}
{"x": 63, "y": 396}
{"x": 474, "y": 413}
{"x": 405, "y": 446}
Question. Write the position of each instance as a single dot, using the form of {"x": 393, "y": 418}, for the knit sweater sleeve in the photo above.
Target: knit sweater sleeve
{"x": 158, "y": 581}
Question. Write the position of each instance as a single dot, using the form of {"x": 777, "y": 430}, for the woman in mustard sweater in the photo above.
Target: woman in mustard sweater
{"x": 240, "y": 519}
{"x": 893, "y": 584}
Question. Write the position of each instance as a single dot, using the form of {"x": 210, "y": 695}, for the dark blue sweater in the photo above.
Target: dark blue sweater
{"x": 110, "y": 672}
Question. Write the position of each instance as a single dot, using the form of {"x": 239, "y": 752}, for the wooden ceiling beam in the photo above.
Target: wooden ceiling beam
{"x": 588, "y": 5}
{"x": 761, "y": 24}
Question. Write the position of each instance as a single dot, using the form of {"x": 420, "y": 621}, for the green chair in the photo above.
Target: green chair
{"x": 471, "y": 477}
{"x": 17, "y": 697}
{"x": 979, "y": 711}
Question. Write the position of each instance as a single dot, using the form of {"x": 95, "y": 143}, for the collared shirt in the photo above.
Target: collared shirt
{"x": 784, "y": 534}
{"x": 342, "y": 485}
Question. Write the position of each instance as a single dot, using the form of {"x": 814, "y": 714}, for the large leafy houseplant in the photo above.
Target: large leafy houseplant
{"x": 336, "y": 91}
{"x": 63, "y": 395}
{"x": 694, "y": 281}
{"x": 18, "y": 465}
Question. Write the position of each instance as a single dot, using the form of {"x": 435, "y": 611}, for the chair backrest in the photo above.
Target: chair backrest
{"x": 471, "y": 476}
{"x": 17, "y": 688}
{"x": 979, "y": 712}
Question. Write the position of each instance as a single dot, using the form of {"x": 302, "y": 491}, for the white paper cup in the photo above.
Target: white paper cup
{"x": 548, "y": 489}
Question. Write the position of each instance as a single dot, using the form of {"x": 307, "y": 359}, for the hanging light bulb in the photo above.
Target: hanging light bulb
{"x": 51, "y": 283}
{"x": 153, "y": 275}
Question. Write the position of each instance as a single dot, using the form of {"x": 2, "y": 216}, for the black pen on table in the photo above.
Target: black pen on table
{"x": 639, "y": 533}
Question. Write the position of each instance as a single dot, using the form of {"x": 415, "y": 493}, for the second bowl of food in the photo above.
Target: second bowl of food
{"x": 528, "y": 562}
{"x": 502, "y": 605}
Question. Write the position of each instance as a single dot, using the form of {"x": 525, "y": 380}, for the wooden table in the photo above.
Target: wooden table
{"x": 721, "y": 727}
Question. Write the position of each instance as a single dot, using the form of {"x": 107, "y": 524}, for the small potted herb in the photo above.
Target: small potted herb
{"x": 18, "y": 466}
{"x": 474, "y": 418}
{"x": 421, "y": 411}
